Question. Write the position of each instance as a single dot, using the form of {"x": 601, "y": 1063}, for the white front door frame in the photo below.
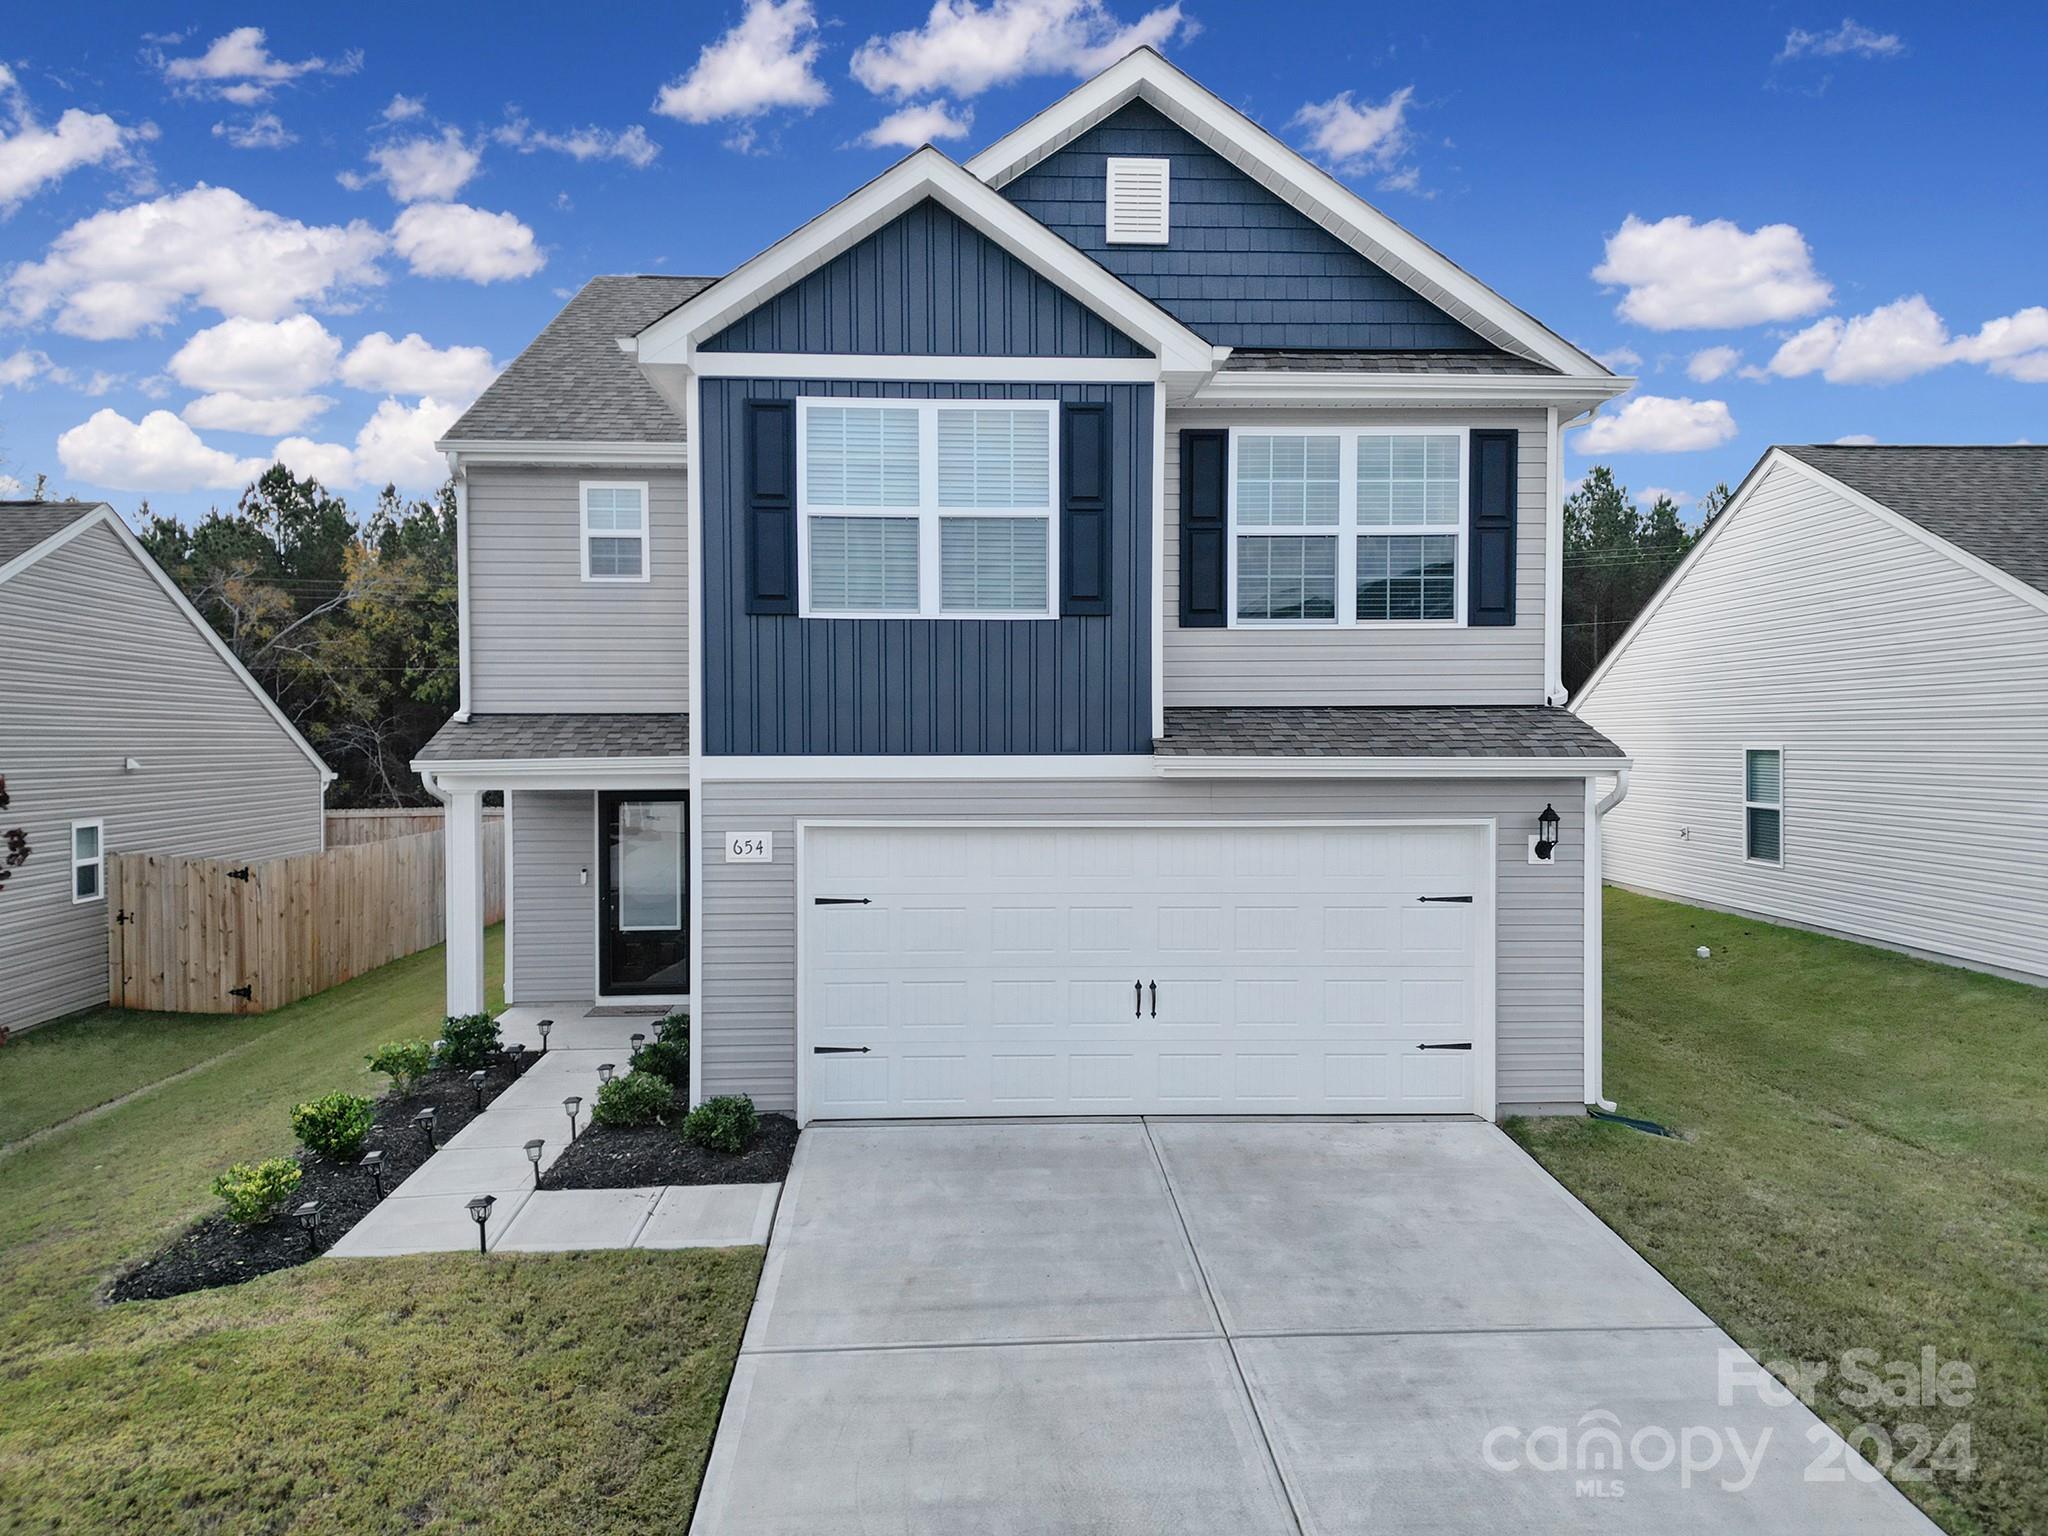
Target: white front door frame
{"x": 1486, "y": 1028}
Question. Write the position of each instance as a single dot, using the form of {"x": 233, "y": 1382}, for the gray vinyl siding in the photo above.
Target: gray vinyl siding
{"x": 787, "y": 685}
{"x": 98, "y": 665}
{"x": 925, "y": 284}
{"x": 746, "y": 997}
{"x": 552, "y": 930}
{"x": 542, "y": 638}
{"x": 1240, "y": 267}
{"x": 1910, "y": 697}
{"x": 1363, "y": 664}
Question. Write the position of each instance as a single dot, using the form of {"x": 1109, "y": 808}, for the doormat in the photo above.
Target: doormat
{"x": 627, "y": 1013}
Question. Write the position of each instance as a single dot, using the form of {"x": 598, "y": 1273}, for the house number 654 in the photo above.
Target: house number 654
{"x": 749, "y": 847}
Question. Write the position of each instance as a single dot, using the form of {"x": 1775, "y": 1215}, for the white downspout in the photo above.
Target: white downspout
{"x": 462, "y": 642}
{"x": 1596, "y": 1032}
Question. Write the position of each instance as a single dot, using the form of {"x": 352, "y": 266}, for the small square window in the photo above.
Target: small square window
{"x": 614, "y": 532}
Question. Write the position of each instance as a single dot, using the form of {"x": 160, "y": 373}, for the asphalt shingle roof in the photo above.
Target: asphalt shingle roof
{"x": 497, "y": 738}
{"x": 25, "y": 524}
{"x": 1309, "y": 360}
{"x": 1991, "y": 501}
{"x": 1435, "y": 730}
{"x": 573, "y": 384}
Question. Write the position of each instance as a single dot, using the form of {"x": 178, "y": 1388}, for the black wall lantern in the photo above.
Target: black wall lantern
{"x": 1547, "y": 827}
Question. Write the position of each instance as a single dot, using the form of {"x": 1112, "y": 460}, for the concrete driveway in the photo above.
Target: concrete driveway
{"x": 1237, "y": 1327}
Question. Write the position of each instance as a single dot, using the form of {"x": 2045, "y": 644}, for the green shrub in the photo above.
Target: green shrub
{"x": 406, "y": 1061}
{"x": 335, "y": 1123}
{"x": 725, "y": 1124}
{"x": 468, "y": 1041}
{"x": 638, "y": 1098}
{"x": 674, "y": 1030}
{"x": 257, "y": 1191}
{"x": 667, "y": 1060}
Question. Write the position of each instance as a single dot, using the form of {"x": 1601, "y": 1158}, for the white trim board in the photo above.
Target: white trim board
{"x": 1144, "y": 75}
{"x": 590, "y": 453}
{"x": 104, "y": 515}
{"x": 1271, "y": 387}
{"x": 952, "y": 368}
{"x": 923, "y": 174}
{"x": 1775, "y": 460}
{"x": 1220, "y": 766}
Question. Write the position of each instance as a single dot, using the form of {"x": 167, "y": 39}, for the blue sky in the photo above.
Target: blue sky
{"x": 222, "y": 231}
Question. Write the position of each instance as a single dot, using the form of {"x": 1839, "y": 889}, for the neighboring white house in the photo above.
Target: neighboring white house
{"x": 1838, "y": 705}
{"x": 125, "y": 726}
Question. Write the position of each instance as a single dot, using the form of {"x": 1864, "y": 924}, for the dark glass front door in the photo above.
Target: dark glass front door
{"x": 644, "y": 938}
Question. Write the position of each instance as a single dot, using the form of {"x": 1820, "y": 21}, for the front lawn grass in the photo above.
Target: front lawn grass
{"x": 523, "y": 1393}
{"x": 1865, "y": 1167}
{"x": 63, "y": 1068}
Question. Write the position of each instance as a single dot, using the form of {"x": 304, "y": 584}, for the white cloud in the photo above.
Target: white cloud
{"x": 263, "y": 130}
{"x": 762, "y": 63}
{"x": 631, "y": 145}
{"x": 2015, "y": 345}
{"x": 1850, "y": 39}
{"x": 415, "y": 367}
{"x": 257, "y": 357}
{"x": 1619, "y": 358}
{"x": 11, "y": 488}
{"x": 230, "y": 412}
{"x": 160, "y": 453}
{"x": 1856, "y": 440}
{"x": 421, "y": 170}
{"x": 963, "y": 48}
{"x": 395, "y": 447}
{"x": 1350, "y": 138}
{"x": 1686, "y": 276}
{"x": 455, "y": 240}
{"x": 1711, "y": 363}
{"x": 124, "y": 270}
{"x": 1650, "y": 495}
{"x": 33, "y": 156}
{"x": 401, "y": 108}
{"x": 1658, "y": 424}
{"x": 239, "y": 67}
{"x": 1906, "y": 338}
{"x": 24, "y": 368}
{"x": 918, "y": 124}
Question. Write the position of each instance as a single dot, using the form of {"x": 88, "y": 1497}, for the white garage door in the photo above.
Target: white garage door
{"x": 1092, "y": 969}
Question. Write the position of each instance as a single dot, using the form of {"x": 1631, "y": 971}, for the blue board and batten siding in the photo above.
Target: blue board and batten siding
{"x": 775, "y": 684}
{"x": 925, "y": 284}
{"x": 1241, "y": 267}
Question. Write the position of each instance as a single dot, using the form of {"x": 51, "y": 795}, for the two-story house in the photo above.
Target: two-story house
{"x": 1073, "y": 633}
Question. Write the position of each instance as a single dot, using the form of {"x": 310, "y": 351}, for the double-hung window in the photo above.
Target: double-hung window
{"x": 614, "y": 530}
{"x": 1347, "y": 527}
{"x": 1763, "y": 805}
{"x": 88, "y": 861}
{"x": 929, "y": 508}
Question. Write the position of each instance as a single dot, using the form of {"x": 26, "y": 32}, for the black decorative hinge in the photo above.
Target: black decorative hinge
{"x": 839, "y": 1050}
{"x": 839, "y": 901}
{"x": 124, "y": 917}
{"x": 239, "y": 874}
{"x": 246, "y": 994}
{"x": 1462, "y": 1045}
{"x": 1466, "y": 899}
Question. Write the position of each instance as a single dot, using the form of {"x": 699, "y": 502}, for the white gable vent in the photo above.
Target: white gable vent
{"x": 1137, "y": 201}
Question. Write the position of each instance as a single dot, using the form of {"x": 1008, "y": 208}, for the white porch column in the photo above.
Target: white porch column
{"x": 464, "y": 834}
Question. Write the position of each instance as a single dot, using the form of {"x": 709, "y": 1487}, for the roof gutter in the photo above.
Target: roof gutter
{"x": 1256, "y": 766}
{"x": 1287, "y": 387}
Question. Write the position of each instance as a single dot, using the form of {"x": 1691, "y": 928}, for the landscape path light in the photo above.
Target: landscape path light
{"x": 476, "y": 1086}
{"x": 308, "y": 1217}
{"x": 374, "y": 1161}
{"x": 570, "y": 1105}
{"x": 545, "y": 1026}
{"x": 533, "y": 1151}
{"x": 425, "y": 1121}
{"x": 605, "y": 1070}
{"x": 480, "y": 1213}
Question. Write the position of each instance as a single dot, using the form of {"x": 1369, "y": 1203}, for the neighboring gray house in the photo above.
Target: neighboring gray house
{"x": 1072, "y": 633}
{"x": 125, "y": 726}
{"x": 1839, "y": 705}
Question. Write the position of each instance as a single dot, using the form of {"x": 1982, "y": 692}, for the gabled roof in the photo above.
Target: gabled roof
{"x": 1145, "y": 75}
{"x": 573, "y": 383}
{"x": 924, "y": 174}
{"x": 59, "y": 522}
{"x": 1991, "y": 501}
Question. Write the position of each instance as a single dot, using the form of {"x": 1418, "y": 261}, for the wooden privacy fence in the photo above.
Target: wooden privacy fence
{"x": 231, "y": 936}
{"x": 346, "y": 828}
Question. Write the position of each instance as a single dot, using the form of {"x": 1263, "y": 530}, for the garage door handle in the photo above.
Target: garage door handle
{"x": 1462, "y": 1045}
{"x": 839, "y": 1050}
{"x": 1138, "y": 1001}
{"x": 1466, "y": 899}
{"x": 861, "y": 901}
{"x": 1155, "y": 999}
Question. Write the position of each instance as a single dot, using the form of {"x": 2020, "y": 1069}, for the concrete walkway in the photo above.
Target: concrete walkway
{"x": 1239, "y": 1327}
{"x": 429, "y": 1212}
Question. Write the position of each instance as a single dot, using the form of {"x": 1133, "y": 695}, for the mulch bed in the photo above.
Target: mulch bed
{"x": 218, "y": 1251}
{"x": 636, "y": 1157}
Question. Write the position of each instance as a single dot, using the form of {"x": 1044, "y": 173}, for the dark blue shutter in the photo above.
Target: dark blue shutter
{"x": 1490, "y": 594}
{"x": 771, "y": 506}
{"x": 1084, "y": 509}
{"x": 1204, "y": 528}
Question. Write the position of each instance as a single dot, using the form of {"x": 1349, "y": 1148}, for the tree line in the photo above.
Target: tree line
{"x": 1616, "y": 555}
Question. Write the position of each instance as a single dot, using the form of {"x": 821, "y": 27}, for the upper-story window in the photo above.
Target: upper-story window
{"x": 932, "y": 508}
{"x": 614, "y": 530}
{"x": 1136, "y": 201}
{"x": 1352, "y": 527}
